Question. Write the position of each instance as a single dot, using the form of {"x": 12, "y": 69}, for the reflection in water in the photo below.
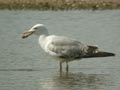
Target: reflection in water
{"x": 75, "y": 82}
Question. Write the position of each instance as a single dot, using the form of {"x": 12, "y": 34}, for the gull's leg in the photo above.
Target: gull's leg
{"x": 67, "y": 67}
{"x": 60, "y": 66}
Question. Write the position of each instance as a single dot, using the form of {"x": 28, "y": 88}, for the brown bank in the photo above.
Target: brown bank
{"x": 60, "y": 4}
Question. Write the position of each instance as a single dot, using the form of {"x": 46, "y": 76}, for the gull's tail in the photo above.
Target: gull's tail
{"x": 94, "y": 52}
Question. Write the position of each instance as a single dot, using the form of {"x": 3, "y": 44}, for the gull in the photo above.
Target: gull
{"x": 64, "y": 48}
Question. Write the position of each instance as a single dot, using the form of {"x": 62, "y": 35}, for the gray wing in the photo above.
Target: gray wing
{"x": 66, "y": 47}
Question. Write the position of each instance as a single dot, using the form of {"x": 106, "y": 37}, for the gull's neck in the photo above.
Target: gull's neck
{"x": 42, "y": 34}
{"x": 42, "y": 40}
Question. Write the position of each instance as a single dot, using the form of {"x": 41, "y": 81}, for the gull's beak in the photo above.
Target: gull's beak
{"x": 27, "y": 33}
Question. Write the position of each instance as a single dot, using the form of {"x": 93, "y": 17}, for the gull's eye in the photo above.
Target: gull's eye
{"x": 35, "y": 28}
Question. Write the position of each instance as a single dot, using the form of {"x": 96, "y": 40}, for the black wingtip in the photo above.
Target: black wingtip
{"x": 100, "y": 54}
{"x": 105, "y": 54}
{"x": 112, "y": 54}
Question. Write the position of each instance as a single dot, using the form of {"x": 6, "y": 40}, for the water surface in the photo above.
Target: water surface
{"x": 24, "y": 66}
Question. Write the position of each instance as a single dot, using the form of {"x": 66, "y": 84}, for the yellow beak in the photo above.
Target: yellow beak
{"x": 27, "y": 33}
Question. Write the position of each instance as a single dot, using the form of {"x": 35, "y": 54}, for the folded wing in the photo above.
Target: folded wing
{"x": 66, "y": 47}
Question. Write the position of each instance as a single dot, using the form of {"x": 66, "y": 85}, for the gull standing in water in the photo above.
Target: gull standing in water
{"x": 66, "y": 49}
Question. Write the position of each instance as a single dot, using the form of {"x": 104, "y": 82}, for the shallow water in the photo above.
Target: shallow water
{"x": 24, "y": 66}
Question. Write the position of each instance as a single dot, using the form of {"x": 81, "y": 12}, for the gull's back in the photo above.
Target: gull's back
{"x": 65, "y": 47}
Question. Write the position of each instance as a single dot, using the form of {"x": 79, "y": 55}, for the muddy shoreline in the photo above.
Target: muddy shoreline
{"x": 59, "y": 4}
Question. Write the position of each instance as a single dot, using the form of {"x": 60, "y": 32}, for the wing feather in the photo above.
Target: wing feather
{"x": 66, "y": 47}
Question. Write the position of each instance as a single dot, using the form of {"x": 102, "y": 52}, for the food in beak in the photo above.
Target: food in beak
{"x": 27, "y": 33}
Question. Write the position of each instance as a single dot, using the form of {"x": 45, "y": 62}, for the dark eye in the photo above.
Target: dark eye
{"x": 35, "y": 28}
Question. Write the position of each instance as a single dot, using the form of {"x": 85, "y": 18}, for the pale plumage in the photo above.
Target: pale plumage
{"x": 65, "y": 47}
